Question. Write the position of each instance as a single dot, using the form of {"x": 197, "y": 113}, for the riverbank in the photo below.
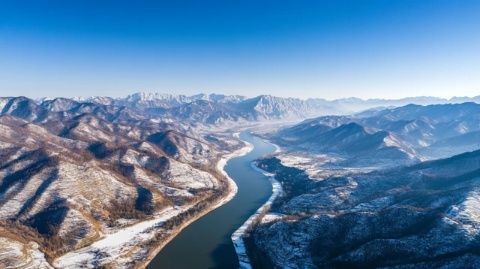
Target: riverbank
{"x": 238, "y": 235}
{"x": 207, "y": 242}
{"x": 114, "y": 245}
{"x": 233, "y": 189}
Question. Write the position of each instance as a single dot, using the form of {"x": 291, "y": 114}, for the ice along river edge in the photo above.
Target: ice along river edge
{"x": 208, "y": 241}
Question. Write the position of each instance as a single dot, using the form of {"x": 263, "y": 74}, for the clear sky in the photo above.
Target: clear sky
{"x": 330, "y": 49}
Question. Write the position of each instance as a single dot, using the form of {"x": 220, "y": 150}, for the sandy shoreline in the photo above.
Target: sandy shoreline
{"x": 232, "y": 192}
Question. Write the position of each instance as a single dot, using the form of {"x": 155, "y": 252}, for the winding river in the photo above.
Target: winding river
{"x": 206, "y": 243}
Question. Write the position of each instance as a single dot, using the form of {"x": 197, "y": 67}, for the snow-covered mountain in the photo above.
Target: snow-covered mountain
{"x": 79, "y": 174}
{"x": 218, "y": 108}
{"x": 420, "y": 216}
{"x": 351, "y": 199}
{"x": 430, "y": 131}
{"x": 144, "y": 100}
{"x": 75, "y": 172}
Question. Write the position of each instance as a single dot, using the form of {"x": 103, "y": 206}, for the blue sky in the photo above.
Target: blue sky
{"x": 330, "y": 49}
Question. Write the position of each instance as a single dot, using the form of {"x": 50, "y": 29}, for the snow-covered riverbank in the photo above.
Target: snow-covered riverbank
{"x": 237, "y": 236}
{"x": 117, "y": 246}
{"x": 113, "y": 245}
{"x": 221, "y": 167}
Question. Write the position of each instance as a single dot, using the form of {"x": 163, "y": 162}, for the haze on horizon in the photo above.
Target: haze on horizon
{"x": 328, "y": 49}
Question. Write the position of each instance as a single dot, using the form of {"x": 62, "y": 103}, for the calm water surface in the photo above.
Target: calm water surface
{"x": 206, "y": 243}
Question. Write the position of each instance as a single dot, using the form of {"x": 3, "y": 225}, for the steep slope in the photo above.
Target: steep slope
{"x": 73, "y": 173}
{"x": 202, "y": 111}
{"x": 351, "y": 142}
{"x": 420, "y": 216}
{"x": 24, "y": 108}
{"x": 271, "y": 107}
{"x": 145, "y": 101}
{"x": 217, "y": 109}
{"x": 432, "y": 131}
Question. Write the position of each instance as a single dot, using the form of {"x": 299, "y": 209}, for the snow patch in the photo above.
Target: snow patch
{"x": 116, "y": 243}
{"x": 237, "y": 236}
{"x": 467, "y": 214}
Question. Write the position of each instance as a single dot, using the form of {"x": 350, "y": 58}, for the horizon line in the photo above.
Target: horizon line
{"x": 247, "y": 96}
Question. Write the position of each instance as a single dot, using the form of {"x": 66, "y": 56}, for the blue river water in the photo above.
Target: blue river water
{"x": 206, "y": 243}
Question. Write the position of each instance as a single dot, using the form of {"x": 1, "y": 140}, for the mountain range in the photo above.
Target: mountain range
{"x": 80, "y": 175}
{"x": 75, "y": 172}
{"x": 218, "y": 108}
{"x": 419, "y": 216}
{"x": 408, "y": 133}
{"x": 383, "y": 188}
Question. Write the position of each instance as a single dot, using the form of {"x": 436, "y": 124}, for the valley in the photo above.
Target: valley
{"x": 240, "y": 134}
{"x": 207, "y": 242}
{"x": 95, "y": 186}
{"x": 374, "y": 190}
{"x": 142, "y": 181}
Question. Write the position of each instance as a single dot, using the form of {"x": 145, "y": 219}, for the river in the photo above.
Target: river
{"x": 206, "y": 243}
